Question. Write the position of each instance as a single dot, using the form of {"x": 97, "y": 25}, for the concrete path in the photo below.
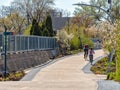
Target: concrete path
{"x": 65, "y": 74}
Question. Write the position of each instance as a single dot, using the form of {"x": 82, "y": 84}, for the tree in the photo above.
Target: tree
{"x": 92, "y": 11}
{"x": 35, "y": 29}
{"x": 44, "y": 28}
{"x": 14, "y": 22}
{"x": 12, "y": 19}
{"x": 18, "y": 23}
{"x": 94, "y": 8}
{"x": 115, "y": 9}
{"x": 64, "y": 38}
{"x": 117, "y": 73}
{"x": 45, "y": 32}
{"x": 48, "y": 25}
{"x": 33, "y": 8}
{"x": 32, "y": 28}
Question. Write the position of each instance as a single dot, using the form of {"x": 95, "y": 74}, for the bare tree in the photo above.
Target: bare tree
{"x": 14, "y": 23}
{"x": 33, "y": 9}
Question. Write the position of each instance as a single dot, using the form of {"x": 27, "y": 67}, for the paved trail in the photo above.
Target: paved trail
{"x": 65, "y": 74}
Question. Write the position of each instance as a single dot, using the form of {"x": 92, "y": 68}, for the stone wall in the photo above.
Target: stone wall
{"x": 24, "y": 60}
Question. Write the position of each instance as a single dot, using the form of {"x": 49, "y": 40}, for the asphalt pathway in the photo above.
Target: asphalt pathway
{"x": 67, "y": 73}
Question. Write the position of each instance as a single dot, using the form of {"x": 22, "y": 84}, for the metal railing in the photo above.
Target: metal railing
{"x": 17, "y": 43}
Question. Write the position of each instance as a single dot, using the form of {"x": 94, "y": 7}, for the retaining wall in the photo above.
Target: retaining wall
{"x": 24, "y": 60}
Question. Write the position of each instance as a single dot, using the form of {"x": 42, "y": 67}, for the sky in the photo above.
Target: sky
{"x": 5, "y": 2}
{"x": 61, "y": 4}
{"x": 67, "y": 4}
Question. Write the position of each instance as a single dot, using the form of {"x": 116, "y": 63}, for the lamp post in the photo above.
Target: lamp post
{"x": 5, "y": 52}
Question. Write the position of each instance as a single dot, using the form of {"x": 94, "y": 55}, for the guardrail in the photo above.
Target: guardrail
{"x": 17, "y": 43}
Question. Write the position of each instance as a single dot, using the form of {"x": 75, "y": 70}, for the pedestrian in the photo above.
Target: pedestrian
{"x": 91, "y": 52}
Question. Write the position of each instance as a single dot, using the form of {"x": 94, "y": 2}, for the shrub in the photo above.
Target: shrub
{"x": 87, "y": 41}
{"x": 13, "y": 76}
{"x": 111, "y": 76}
{"x": 101, "y": 66}
{"x": 27, "y": 31}
{"x": 75, "y": 43}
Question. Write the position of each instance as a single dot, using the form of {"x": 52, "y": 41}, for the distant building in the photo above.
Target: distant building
{"x": 58, "y": 21}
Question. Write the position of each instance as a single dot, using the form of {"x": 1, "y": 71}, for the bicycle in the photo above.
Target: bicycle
{"x": 85, "y": 56}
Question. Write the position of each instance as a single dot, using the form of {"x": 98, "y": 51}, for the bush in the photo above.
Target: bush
{"x": 101, "y": 67}
{"x": 27, "y": 31}
{"x": 75, "y": 43}
{"x": 110, "y": 76}
{"x": 87, "y": 41}
{"x": 13, "y": 76}
{"x": 118, "y": 65}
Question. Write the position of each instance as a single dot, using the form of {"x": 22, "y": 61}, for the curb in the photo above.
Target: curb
{"x": 86, "y": 68}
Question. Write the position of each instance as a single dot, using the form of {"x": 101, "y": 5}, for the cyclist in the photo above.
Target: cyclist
{"x": 86, "y": 48}
{"x": 91, "y": 52}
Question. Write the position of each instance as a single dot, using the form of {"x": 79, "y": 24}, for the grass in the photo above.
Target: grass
{"x": 13, "y": 76}
{"x": 103, "y": 67}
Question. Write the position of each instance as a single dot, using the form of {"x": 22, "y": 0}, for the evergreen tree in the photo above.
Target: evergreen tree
{"x": 48, "y": 24}
{"x": 35, "y": 29}
{"x": 32, "y": 28}
{"x": 45, "y": 32}
{"x": 40, "y": 31}
{"x": 45, "y": 29}
{"x": 43, "y": 25}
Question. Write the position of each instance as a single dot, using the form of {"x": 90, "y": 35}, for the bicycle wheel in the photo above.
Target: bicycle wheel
{"x": 85, "y": 57}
